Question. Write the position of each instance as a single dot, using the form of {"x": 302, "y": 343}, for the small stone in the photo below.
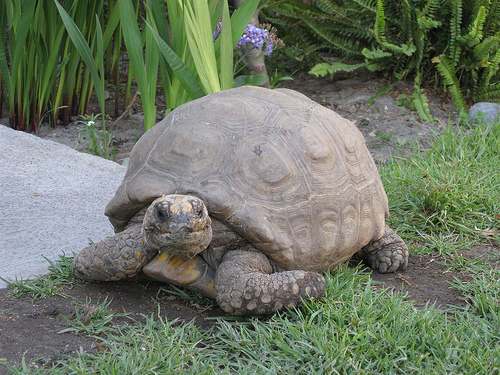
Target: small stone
{"x": 484, "y": 111}
{"x": 364, "y": 122}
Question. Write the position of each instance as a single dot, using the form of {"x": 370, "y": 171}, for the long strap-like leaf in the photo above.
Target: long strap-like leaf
{"x": 84, "y": 51}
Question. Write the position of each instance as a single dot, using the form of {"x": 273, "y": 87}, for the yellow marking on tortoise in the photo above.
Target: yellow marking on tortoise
{"x": 162, "y": 257}
{"x": 176, "y": 262}
{"x": 180, "y": 208}
{"x": 139, "y": 254}
{"x": 210, "y": 289}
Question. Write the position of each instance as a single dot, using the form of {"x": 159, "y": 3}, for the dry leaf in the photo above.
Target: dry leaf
{"x": 487, "y": 232}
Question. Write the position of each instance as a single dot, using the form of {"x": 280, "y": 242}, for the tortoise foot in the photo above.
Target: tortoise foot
{"x": 245, "y": 284}
{"x": 387, "y": 254}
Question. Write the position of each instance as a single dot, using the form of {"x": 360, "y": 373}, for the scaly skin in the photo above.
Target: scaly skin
{"x": 115, "y": 258}
{"x": 245, "y": 284}
{"x": 388, "y": 254}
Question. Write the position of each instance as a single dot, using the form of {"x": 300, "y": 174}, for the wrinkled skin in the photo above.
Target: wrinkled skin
{"x": 172, "y": 245}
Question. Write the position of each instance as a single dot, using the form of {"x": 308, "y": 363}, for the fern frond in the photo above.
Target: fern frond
{"x": 346, "y": 44}
{"x": 488, "y": 46}
{"x": 421, "y": 104}
{"x": 455, "y": 31}
{"x": 338, "y": 31}
{"x": 323, "y": 69}
{"x": 380, "y": 26}
{"x": 475, "y": 34}
{"x": 430, "y": 8}
{"x": 320, "y": 70}
{"x": 491, "y": 92}
{"x": 368, "y": 5}
{"x": 489, "y": 73}
{"x": 375, "y": 54}
{"x": 329, "y": 7}
{"x": 381, "y": 92}
{"x": 492, "y": 24}
{"x": 447, "y": 71}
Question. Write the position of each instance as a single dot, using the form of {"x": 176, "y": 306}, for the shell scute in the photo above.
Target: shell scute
{"x": 292, "y": 177}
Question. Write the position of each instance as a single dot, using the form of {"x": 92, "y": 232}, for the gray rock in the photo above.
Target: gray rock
{"x": 484, "y": 111}
{"x": 53, "y": 200}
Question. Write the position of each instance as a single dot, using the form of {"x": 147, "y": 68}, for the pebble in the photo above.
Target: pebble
{"x": 484, "y": 110}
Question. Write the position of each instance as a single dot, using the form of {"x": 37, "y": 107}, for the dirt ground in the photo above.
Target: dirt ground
{"x": 30, "y": 327}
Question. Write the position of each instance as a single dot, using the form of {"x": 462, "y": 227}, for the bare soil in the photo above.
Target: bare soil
{"x": 30, "y": 328}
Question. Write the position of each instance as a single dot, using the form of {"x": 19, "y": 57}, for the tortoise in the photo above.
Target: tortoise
{"x": 247, "y": 196}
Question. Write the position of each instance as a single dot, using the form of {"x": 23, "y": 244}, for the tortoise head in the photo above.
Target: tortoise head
{"x": 177, "y": 225}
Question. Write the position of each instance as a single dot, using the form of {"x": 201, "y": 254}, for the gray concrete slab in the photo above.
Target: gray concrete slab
{"x": 52, "y": 202}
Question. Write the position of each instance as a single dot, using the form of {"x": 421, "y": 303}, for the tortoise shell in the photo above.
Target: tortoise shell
{"x": 292, "y": 177}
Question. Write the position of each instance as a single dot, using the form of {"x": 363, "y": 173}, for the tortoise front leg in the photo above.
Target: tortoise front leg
{"x": 245, "y": 284}
{"x": 122, "y": 255}
{"x": 194, "y": 274}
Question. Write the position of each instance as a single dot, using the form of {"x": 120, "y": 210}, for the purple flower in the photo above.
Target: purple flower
{"x": 261, "y": 38}
{"x": 217, "y": 30}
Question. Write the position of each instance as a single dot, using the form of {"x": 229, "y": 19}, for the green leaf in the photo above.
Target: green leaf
{"x": 145, "y": 71}
{"x": 180, "y": 69}
{"x": 408, "y": 48}
{"x": 447, "y": 71}
{"x": 241, "y": 18}
{"x": 323, "y": 69}
{"x": 475, "y": 34}
{"x": 84, "y": 51}
{"x": 200, "y": 41}
{"x": 421, "y": 104}
{"x": 320, "y": 70}
{"x": 226, "y": 50}
{"x": 376, "y": 53}
{"x": 250, "y": 80}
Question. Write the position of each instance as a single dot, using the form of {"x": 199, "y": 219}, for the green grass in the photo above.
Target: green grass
{"x": 452, "y": 190}
{"x": 441, "y": 200}
{"x": 355, "y": 329}
{"x": 93, "y": 319}
{"x": 55, "y": 282}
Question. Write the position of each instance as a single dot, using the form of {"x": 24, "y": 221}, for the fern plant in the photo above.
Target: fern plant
{"x": 345, "y": 26}
{"x": 453, "y": 43}
{"x": 469, "y": 66}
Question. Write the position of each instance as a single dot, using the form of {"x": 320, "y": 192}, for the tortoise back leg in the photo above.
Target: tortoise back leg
{"x": 388, "y": 254}
{"x": 122, "y": 255}
{"x": 245, "y": 284}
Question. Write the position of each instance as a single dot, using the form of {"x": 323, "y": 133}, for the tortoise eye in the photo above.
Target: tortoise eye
{"x": 161, "y": 214}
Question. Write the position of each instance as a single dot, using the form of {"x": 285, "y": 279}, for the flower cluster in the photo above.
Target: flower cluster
{"x": 264, "y": 38}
